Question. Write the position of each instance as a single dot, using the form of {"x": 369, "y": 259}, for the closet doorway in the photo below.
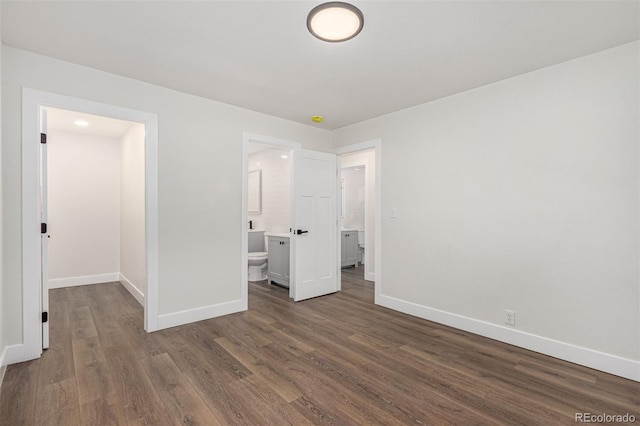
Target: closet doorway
{"x": 95, "y": 197}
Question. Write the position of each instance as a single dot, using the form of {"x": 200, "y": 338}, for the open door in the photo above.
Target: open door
{"x": 44, "y": 235}
{"x": 314, "y": 219}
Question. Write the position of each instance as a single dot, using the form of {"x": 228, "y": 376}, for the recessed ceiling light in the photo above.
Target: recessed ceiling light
{"x": 81, "y": 123}
{"x": 284, "y": 156}
{"x": 335, "y": 21}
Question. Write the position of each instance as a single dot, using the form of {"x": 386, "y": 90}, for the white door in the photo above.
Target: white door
{"x": 314, "y": 221}
{"x": 44, "y": 235}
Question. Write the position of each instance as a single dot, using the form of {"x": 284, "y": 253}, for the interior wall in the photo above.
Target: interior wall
{"x": 276, "y": 190}
{"x": 83, "y": 208}
{"x": 521, "y": 195}
{"x": 2, "y": 282}
{"x": 354, "y": 194}
{"x": 200, "y": 171}
{"x": 367, "y": 158}
{"x": 132, "y": 212}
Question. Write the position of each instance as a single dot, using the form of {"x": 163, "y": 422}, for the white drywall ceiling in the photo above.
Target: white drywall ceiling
{"x": 259, "y": 54}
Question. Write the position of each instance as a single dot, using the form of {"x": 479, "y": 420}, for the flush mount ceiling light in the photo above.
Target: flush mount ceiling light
{"x": 81, "y": 123}
{"x": 335, "y": 21}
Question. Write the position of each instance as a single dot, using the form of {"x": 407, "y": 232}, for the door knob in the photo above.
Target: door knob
{"x": 300, "y": 231}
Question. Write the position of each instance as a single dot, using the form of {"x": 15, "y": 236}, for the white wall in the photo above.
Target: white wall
{"x": 2, "y": 282}
{"x": 366, "y": 158}
{"x": 200, "y": 176}
{"x": 354, "y": 195}
{"x": 520, "y": 195}
{"x": 276, "y": 190}
{"x": 83, "y": 208}
{"x": 132, "y": 212}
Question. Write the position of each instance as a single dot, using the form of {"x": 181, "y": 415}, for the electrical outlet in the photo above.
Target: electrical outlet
{"x": 510, "y": 319}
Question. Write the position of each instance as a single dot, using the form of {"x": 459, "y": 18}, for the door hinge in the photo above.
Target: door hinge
{"x": 45, "y": 317}
{"x": 43, "y": 228}
{"x": 43, "y": 138}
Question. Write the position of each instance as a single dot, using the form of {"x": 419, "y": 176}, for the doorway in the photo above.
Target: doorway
{"x": 93, "y": 196}
{"x": 35, "y": 279}
{"x": 270, "y": 150}
{"x": 312, "y": 228}
{"x": 361, "y": 207}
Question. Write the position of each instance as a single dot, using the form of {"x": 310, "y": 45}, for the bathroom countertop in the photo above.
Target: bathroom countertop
{"x": 277, "y": 234}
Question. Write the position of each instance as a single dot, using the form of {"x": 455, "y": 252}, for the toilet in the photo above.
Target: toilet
{"x": 257, "y": 256}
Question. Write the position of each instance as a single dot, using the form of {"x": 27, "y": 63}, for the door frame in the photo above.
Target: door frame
{"x": 32, "y": 102}
{"x": 244, "y": 247}
{"x": 376, "y": 145}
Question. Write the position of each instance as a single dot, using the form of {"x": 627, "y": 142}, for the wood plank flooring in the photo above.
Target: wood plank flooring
{"x": 337, "y": 359}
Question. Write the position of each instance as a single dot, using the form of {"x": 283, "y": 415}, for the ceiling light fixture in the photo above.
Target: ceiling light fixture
{"x": 81, "y": 123}
{"x": 335, "y": 21}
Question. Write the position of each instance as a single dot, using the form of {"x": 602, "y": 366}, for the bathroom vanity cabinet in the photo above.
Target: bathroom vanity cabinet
{"x": 278, "y": 263}
{"x": 349, "y": 248}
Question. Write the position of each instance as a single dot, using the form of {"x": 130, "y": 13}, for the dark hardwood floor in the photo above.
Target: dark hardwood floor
{"x": 337, "y": 359}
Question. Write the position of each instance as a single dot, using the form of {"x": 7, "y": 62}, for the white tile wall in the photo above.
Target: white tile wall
{"x": 276, "y": 190}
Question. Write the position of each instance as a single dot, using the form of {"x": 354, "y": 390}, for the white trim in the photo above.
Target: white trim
{"x": 151, "y": 222}
{"x": 3, "y": 369}
{"x": 376, "y": 145}
{"x": 199, "y": 314}
{"x": 32, "y": 101}
{"x": 3, "y": 355}
{"x": 608, "y": 363}
{"x": 82, "y": 280}
{"x": 31, "y": 255}
{"x": 14, "y": 354}
{"x": 131, "y": 288}
{"x": 244, "y": 247}
{"x": 10, "y": 355}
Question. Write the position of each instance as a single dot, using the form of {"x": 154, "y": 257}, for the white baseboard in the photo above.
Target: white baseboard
{"x": 608, "y": 363}
{"x": 199, "y": 314}
{"x": 84, "y": 280}
{"x": 131, "y": 288}
{"x": 370, "y": 276}
{"x": 3, "y": 365}
{"x": 14, "y": 354}
{"x": 3, "y": 370}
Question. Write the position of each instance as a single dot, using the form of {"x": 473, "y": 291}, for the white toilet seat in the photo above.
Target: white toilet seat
{"x": 258, "y": 255}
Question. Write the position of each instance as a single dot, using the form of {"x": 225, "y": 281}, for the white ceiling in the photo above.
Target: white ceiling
{"x": 259, "y": 55}
{"x": 60, "y": 119}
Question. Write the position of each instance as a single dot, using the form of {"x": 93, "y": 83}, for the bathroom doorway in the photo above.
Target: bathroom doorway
{"x": 269, "y": 210}
{"x": 266, "y": 208}
{"x": 311, "y": 231}
{"x": 357, "y": 177}
{"x": 360, "y": 209}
